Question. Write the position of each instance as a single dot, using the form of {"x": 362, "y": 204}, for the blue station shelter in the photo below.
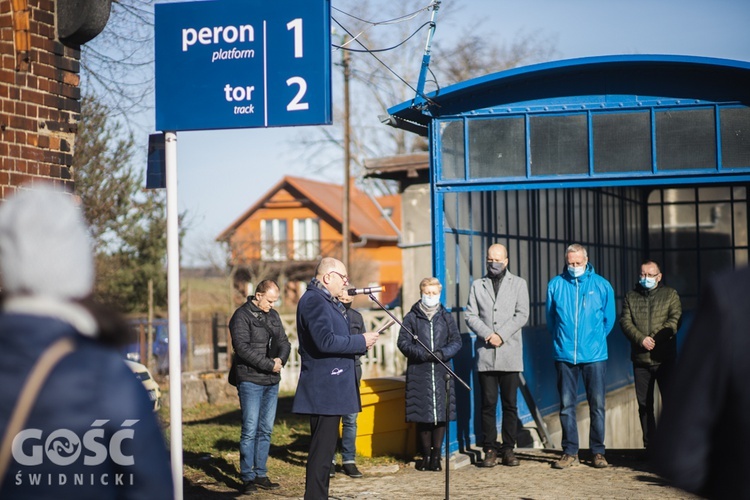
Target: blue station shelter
{"x": 633, "y": 156}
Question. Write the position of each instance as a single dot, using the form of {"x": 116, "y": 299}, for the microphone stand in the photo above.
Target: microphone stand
{"x": 450, "y": 374}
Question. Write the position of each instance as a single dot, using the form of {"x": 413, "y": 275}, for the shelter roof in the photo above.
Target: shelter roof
{"x": 639, "y": 76}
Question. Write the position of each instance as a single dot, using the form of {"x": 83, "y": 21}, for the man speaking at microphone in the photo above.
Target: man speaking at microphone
{"x": 327, "y": 387}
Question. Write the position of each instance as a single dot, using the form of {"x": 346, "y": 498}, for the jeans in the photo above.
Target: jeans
{"x": 348, "y": 438}
{"x": 508, "y": 383}
{"x": 258, "y": 404}
{"x": 645, "y": 379}
{"x": 567, "y": 386}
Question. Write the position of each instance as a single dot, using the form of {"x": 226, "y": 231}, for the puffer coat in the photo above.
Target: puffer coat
{"x": 251, "y": 330}
{"x": 651, "y": 313}
{"x": 425, "y": 383}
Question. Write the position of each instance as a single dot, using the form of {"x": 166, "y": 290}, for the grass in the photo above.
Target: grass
{"x": 211, "y": 455}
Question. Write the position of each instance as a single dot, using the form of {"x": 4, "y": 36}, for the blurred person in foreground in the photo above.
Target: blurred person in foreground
{"x": 650, "y": 318}
{"x": 261, "y": 349}
{"x": 703, "y": 438}
{"x": 327, "y": 387}
{"x": 433, "y": 325}
{"x": 91, "y": 432}
{"x": 349, "y": 422}
{"x": 497, "y": 310}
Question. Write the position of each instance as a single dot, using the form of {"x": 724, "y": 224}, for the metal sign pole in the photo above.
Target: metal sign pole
{"x": 173, "y": 307}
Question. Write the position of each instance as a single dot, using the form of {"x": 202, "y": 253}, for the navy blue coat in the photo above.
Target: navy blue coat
{"x": 327, "y": 380}
{"x": 90, "y": 402}
{"x": 425, "y": 385}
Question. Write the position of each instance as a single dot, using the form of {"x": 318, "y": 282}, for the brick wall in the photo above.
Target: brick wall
{"x": 39, "y": 96}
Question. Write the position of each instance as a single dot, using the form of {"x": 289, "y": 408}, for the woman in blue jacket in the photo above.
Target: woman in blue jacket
{"x": 425, "y": 383}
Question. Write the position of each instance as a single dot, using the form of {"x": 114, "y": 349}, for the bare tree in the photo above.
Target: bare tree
{"x": 117, "y": 66}
{"x": 386, "y": 42}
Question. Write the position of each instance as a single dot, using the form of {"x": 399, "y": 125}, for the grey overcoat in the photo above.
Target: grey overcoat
{"x": 504, "y": 314}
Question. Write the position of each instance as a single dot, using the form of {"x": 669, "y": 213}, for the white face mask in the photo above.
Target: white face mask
{"x": 576, "y": 272}
{"x": 430, "y": 300}
{"x": 648, "y": 283}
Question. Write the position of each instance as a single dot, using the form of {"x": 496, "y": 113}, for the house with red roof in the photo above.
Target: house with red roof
{"x": 298, "y": 221}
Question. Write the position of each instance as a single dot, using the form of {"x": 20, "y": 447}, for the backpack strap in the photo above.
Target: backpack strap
{"x": 29, "y": 393}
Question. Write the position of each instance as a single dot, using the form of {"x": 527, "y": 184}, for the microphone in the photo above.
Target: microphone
{"x": 366, "y": 291}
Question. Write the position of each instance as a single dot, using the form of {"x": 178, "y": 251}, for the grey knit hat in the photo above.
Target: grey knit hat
{"x": 45, "y": 248}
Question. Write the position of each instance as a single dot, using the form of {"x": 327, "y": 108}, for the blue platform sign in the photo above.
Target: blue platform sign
{"x": 224, "y": 64}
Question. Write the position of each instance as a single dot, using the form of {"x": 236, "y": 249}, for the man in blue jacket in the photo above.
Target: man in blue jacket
{"x": 580, "y": 315}
{"x": 327, "y": 387}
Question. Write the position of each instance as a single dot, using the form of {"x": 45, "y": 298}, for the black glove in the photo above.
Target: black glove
{"x": 438, "y": 355}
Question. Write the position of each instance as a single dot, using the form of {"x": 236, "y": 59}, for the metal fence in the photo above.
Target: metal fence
{"x": 209, "y": 342}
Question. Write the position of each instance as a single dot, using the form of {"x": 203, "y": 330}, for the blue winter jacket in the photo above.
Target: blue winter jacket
{"x": 92, "y": 433}
{"x": 327, "y": 380}
{"x": 580, "y": 314}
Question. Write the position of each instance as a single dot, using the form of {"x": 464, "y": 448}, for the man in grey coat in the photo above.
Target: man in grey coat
{"x": 498, "y": 309}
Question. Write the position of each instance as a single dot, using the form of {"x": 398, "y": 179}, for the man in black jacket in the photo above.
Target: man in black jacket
{"x": 349, "y": 422}
{"x": 261, "y": 349}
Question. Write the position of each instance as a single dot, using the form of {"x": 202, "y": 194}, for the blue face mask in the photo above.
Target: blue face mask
{"x": 576, "y": 272}
{"x": 648, "y": 283}
{"x": 430, "y": 300}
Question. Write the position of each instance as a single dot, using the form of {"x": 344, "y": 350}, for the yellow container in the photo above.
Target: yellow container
{"x": 381, "y": 427}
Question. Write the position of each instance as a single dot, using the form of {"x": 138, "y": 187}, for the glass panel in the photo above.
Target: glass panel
{"x": 463, "y": 200}
{"x": 463, "y": 285}
{"x": 740, "y": 223}
{"x": 501, "y": 214}
{"x": 478, "y": 254}
{"x": 715, "y": 224}
{"x": 679, "y": 195}
{"x": 679, "y": 225}
{"x": 739, "y": 193}
{"x": 740, "y": 258}
{"x": 512, "y": 211}
{"x": 719, "y": 193}
{"x": 523, "y": 213}
{"x": 497, "y": 148}
{"x": 622, "y": 142}
{"x": 683, "y": 271}
{"x": 655, "y": 226}
{"x": 654, "y": 196}
{"x": 685, "y": 139}
{"x": 449, "y": 210}
{"x": 449, "y": 277}
{"x": 559, "y": 145}
{"x": 735, "y": 137}
{"x": 452, "y": 149}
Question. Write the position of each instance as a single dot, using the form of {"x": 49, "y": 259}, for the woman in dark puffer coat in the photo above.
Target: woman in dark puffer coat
{"x": 425, "y": 383}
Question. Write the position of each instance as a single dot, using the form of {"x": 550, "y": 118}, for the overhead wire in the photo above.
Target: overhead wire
{"x": 372, "y": 52}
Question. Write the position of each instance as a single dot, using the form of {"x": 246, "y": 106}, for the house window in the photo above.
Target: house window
{"x": 273, "y": 239}
{"x": 306, "y": 239}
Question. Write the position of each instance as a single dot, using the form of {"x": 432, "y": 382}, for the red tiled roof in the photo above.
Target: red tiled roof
{"x": 365, "y": 220}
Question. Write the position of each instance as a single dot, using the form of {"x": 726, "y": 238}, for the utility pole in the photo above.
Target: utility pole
{"x": 345, "y": 232}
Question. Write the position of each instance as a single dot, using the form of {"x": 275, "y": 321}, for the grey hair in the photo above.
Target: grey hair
{"x": 575, "y": 248}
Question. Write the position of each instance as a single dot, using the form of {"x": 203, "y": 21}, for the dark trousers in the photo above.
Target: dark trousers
{"x": 324, "y": 432}
{"x": 646, "y": 377}
{"x": 508, "y": 383}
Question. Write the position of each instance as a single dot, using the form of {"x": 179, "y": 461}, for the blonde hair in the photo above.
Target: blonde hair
{"x": 429, "y": 282}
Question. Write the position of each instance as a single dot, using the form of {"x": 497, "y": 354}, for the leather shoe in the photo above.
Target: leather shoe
{"x": 266, "y": 484}
{"x": 351, "y": 470}
{"x": 490, "y": 458}
{"x": 248, "y": 487}
{"x": 509, "y": 458}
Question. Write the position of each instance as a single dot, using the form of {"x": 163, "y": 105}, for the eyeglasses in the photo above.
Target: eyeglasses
{"x": 343, "y": 277}
{"x": 646, "y": 275}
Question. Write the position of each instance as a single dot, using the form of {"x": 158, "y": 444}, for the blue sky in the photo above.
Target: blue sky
{"x": 222, "y": 173}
